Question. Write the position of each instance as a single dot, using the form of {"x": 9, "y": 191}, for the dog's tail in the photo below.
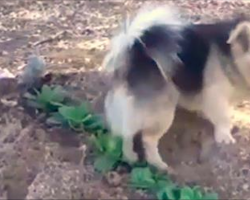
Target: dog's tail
{"x": 156, "y": 29}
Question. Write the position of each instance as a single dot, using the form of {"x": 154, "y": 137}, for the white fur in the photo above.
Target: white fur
{"x": 150, "y": 16}
{"x": 146, "y": 17}
{"x": 127, "y": 116}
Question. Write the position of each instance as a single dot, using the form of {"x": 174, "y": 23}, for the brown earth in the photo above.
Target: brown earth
{"x": 41, "y": 162}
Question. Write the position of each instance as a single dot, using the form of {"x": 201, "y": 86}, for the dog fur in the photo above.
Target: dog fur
{"x": 159, "y": 62}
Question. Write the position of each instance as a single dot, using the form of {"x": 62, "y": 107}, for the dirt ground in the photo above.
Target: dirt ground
{"x": 39, "y": 162}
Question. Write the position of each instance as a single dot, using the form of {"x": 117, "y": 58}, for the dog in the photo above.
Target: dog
{"x": 159, "y": 62}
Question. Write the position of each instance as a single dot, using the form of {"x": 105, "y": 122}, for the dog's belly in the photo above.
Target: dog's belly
{"x": 190, "y": 103}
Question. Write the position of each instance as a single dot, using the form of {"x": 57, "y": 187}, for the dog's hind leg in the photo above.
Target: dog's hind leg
{"x": 151, "y": 141}
{"x": 215, "y": 107}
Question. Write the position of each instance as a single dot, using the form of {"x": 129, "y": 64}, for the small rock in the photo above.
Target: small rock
{"x": 245, "y": 172}
{"x": 122, "y": 197}
{"x": 245, "y": 187}
{"x": 113, "y": 179}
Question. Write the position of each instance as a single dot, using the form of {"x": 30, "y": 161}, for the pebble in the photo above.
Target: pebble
{"x": 113, "y": 179}
{"x": 245, "y": 187}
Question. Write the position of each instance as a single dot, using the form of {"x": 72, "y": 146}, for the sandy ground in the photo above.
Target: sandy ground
{"x": 41, "y": 162}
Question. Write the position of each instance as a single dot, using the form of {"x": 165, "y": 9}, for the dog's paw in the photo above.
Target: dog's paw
{"x": 171, "y": 171}
{"x": 166, "y": 169}
{"x": 130, "y": 156}
{"x": 224, "y": 137}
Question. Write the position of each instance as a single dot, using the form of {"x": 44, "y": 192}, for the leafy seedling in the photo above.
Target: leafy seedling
{"x": 80, "y": 118}
{"x": 75, "y": 115}
{"x": 184, "y": 193}
{"x": 167, "y": 193}
{"x": 48, "y": 99}
{"x": 105, "y": 163}
{"x": 56, "y": 119}
{"x": 142, "y": 178}
{"x": 95, "y": 124}
{"x": 108, "y": 150}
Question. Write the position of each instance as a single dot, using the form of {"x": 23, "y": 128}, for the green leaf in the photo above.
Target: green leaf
{"x": 58, "y": 104}
{"x": 84, "y": 107}
{"x": 197, "y": 193}
{"x": 162, "y": 195}
{"x": 72, "y": 113}
{"x": 187, "y": 193}
{"x": 112, "y": 145}
{"x": 50, "y": 96}
{"x": 109, "y": 144}
{"x": 87, "y": 118}
{"x": 76, "y": 126}
{"x": 93, "y": 122}
{"x": 105, "y": 163}
{"x": 166, "y": 193}
{"x": 67, "y": 112}
{"x": 210, "y": 196}
{"x": 58, "y": 94}
{"x": 97, "y": 143}
{"x": 160, "y": 176}
{"x": 94, "y": 127}
{"x": 48, "y": 107}
{"x": 164, "y": 183}
{"x": 45, "y": 95}
{"x": 142, "y": 178}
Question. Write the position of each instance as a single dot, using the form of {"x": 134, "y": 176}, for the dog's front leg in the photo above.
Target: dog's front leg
{"x": 216, "y": 108}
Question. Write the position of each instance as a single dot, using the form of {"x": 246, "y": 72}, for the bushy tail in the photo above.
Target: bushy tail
{"x": 157, "y": 28}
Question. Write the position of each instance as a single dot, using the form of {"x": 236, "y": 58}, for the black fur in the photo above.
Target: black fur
{"x": 138, "y": 146}
{"x": 188, "y": 76}
{"x": 161, "y": 38}
{"x": 144, "y": 77}
{"x": 217, "y": 33}
{"x": 192, "y": 48}
{"x": 196, "y": 44}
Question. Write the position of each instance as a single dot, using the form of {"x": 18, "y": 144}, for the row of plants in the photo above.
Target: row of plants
{"x": 108, "y": 149}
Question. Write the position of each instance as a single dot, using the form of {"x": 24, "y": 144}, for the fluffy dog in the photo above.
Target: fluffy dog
{"x": 159, "y": 62}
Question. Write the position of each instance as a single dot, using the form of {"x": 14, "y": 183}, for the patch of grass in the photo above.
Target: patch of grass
{"x": 108, "y": 148}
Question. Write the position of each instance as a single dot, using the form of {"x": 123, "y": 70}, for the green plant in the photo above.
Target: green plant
{"x": 184, "y": 193}
{"x": 75, "y": 115}
{"x": 165, "y": 189}
{"x": 108, "y": 148}
{"x": 48, "y": 99}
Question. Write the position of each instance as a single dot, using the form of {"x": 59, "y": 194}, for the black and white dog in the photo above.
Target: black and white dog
{"x": 159, "y": 62}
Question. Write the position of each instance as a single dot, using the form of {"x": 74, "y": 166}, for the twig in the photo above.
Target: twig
{"x": 58, "y": 36}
